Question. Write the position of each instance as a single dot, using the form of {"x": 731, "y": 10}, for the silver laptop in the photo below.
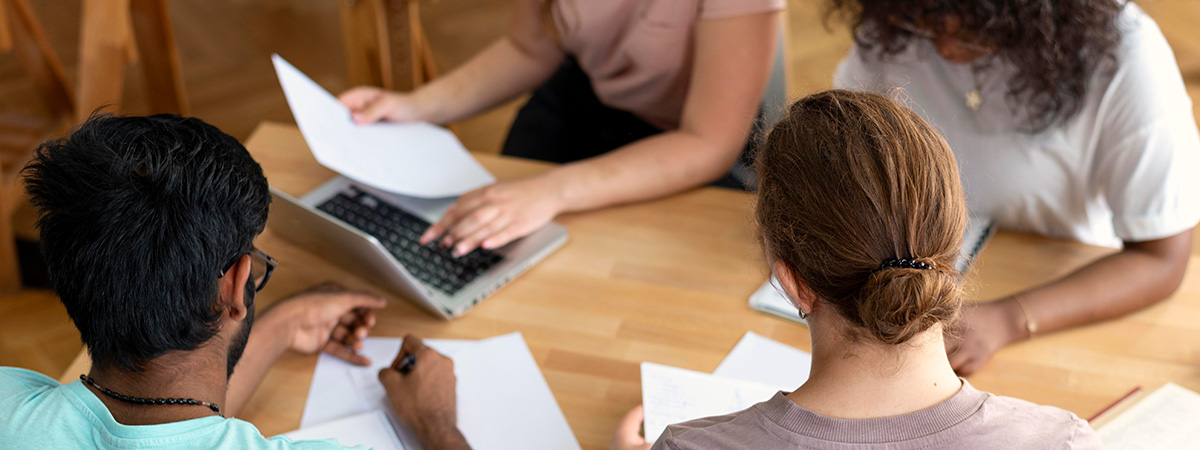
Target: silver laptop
{"x": 373, "y": 234}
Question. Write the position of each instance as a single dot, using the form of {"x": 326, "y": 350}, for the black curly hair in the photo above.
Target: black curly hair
{"x": 1055, "y": 45}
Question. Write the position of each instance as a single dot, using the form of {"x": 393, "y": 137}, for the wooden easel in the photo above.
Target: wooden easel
{"x": 21, "y": 33}
{"x": 385, "y": 44}
{"x": 114, "y": 34}
{"x": 117, "y": 33}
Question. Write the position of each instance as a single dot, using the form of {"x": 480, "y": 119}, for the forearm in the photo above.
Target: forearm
{"x": 268, "y": 340}
{"x": 498, "y": 74}
{"x": 732, "y": 61}
{"x": 647, "y": 169}
{"x": 1107, "y": 288}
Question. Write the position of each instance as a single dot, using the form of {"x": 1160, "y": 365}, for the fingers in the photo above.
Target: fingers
{"x": 476, "y": 239}
{"x": 471, "y": 222}
{"x": 501, "y": 238}
{"x": 631, "y": 425}
{"x": 412, "y": 345}
{"x": 346, "y": 353}
{"x": 357, "y": 98}
{"x": 352, "y": 300}
{"x": 466, "y": 204}
{"x": 351, "y": 335}
{"x": 628, "y": 433}
{"x": 374, "y": 111}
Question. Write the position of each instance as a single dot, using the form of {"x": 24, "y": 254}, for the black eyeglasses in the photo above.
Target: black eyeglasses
{"x": 261, "y": 266}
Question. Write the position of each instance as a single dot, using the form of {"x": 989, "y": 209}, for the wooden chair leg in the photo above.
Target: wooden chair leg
{"x": 159, "y": 56}
{"x": 105, "y": 49}
{"x": 38, "y": 58}
{"x": 362, "y": 41}
{"x": 403, "y": 47}
{"x": 10, "y": 269}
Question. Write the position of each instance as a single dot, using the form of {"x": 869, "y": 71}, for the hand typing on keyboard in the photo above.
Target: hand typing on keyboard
{"x": 493, "y": 216}
{"x": 399, "y": 232}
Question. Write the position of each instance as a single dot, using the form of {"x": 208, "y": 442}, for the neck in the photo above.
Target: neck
{"x": 864, "y": 380}
{"x": 198, "y": 374}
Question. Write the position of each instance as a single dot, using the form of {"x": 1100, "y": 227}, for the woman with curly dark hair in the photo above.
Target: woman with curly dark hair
{"x": 1068, "y": 119}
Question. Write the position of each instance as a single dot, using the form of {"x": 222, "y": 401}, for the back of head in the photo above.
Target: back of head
{"x": 849, "y": 181}
{"x": 139, "y": 215}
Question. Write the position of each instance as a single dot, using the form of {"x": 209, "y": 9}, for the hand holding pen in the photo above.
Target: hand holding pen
{"x": 420, "y": 385}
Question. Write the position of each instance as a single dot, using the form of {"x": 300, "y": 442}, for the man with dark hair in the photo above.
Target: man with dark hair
{"x": 147, "y": 227}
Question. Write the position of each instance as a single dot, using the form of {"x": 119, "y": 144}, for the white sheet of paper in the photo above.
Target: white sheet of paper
{"x": 503, "y": 400}
{"x": 341, "y": 389}
{"x": 672, "y": 395}
{"x": 1167, "y": 418}
{"x": 370, "y": 430}
{"x": 413, "y": 158}
{"x": 762, "y": 360}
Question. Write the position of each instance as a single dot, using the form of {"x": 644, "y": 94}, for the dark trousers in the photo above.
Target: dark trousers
{"x": 564, "y": 121}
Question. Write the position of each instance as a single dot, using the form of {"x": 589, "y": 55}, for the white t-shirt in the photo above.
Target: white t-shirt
{"x": 1126, "y": 167}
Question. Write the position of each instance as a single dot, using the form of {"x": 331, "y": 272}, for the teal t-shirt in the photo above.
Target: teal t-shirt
{"x": 36, "y": 412}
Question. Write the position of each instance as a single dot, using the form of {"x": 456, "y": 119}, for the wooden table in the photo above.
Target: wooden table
{"x": 667, "y": 281}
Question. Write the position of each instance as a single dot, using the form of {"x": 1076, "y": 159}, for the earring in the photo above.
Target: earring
{"x": 782, "y": 293}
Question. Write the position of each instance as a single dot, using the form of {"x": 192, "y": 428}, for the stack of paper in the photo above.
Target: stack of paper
{"x": 503, "y": 400}
{"x": 754, "y": 371}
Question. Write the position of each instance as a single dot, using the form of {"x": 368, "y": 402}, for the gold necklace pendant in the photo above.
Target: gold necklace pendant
{"x": 974, "y": 100}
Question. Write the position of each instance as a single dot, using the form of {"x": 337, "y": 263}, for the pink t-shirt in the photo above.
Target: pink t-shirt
{"x": 638, "y": 53}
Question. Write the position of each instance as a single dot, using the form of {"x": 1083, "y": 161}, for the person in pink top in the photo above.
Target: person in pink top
{"x": 640, "y": 99}
{"x": 861, "y": 216}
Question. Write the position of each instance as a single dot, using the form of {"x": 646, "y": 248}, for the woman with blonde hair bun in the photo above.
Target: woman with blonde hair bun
{"x": 861, "y": 216}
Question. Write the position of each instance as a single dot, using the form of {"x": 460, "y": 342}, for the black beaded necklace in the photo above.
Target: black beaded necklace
{"x": 149, "y": 401}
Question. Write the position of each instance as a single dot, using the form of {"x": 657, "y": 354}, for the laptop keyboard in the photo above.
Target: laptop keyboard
{"x": 399, "y": 230}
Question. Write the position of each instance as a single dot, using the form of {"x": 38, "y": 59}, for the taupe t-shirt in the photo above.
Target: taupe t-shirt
{"x": 638, "y": 53}
{"x": 971, "y": 419}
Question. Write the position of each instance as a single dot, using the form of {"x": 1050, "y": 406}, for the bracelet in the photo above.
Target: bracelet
{"x": 1030, "y": 325}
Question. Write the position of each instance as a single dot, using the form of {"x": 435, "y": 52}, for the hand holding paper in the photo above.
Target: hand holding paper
{"x": 413, "y": 158}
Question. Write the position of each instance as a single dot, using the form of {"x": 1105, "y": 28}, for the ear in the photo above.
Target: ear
{"x": 232, "y": 290}
{"x": 797, "y": 290}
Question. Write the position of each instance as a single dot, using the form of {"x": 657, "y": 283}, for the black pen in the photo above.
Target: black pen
{"x": 407, "y": 363}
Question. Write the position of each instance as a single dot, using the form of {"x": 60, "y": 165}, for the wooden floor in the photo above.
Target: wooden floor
{"x": 225, "y": 46}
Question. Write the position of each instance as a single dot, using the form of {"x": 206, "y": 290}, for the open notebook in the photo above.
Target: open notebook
{"x": 1168, "y": 418}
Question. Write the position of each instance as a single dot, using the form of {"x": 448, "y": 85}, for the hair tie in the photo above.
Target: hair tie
{"x": 902, "y": 263}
